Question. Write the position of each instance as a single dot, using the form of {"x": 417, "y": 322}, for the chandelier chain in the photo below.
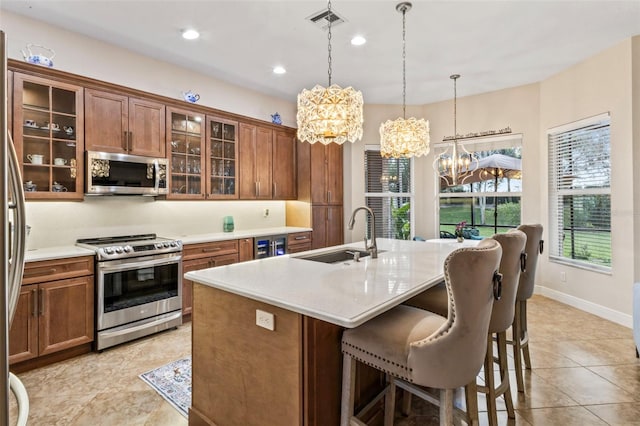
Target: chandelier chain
{"x": 404, "y": 67}
{"x": 329, "y": 18}
{"x": 455, "y": 112}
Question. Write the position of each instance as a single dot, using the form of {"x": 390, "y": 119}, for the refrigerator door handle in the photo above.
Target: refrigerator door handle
{"x": 16, "y": 262}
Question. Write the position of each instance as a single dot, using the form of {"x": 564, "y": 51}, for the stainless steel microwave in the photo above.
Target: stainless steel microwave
{"x": 114, "y": 174}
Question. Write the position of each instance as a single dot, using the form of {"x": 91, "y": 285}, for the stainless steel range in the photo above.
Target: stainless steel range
{"x": 138, "y": 286}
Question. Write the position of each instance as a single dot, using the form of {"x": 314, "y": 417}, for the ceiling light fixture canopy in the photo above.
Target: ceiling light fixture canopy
{"x": 330, "y": 114}
{"x": 404, "y": 138}
{"x": 455, "y": 165}
{"x": 190, "y": 34}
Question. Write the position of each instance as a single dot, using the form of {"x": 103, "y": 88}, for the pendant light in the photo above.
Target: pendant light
{"x": 455, "y": 164}
{"x": 404, "y": 138}
{"x": 330, "y": 114}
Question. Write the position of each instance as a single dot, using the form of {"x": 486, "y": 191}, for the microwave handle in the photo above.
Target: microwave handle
{"x": 156, "y": 166}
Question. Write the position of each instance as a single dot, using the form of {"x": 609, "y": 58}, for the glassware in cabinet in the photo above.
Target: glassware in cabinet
{"x": 222, "y": 156}
{"x": 186, "y": 143}
{"x": 48, "y": 133}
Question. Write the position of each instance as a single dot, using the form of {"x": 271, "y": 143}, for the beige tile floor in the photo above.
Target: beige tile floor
{"x": 584, "y": 373}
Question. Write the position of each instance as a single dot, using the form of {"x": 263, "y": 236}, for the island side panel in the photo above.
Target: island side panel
{"x": 244, "y": 374}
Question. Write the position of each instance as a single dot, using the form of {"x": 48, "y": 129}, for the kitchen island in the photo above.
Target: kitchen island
{"x": 266, "y": 333}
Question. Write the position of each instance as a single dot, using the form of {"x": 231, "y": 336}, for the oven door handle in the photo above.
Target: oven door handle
{"x": 137, "y": 265}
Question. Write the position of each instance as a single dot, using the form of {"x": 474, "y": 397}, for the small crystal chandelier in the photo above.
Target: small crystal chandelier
{"x": 331, "y": 114}
{"x": 455, "y": 166}
{"x": 404, "y": 138}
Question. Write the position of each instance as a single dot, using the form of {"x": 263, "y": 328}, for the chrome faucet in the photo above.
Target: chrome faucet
{"x": 373, "y": 247}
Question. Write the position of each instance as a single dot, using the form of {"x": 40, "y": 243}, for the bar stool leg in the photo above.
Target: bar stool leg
{"x": 389, "y": 402}
{"x": 489, "y": 383}
{"x": 525, "y": 335}
{"x": 446, "y": 407}
{"x": 517, "y": 348}
{"x": 348, "y": 385}
{"x": 505, "y": 387}
{"x": 471, "y": 399}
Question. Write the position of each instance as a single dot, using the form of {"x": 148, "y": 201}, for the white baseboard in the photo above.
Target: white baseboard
{"x": 593, "y": 308}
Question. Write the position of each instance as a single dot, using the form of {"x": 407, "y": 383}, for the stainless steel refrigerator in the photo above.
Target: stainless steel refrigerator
{"x": 12, "y": 249}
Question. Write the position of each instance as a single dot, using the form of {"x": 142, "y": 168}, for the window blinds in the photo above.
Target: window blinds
{"x": 580, "y": 193}
{"x": 388, "y": 193}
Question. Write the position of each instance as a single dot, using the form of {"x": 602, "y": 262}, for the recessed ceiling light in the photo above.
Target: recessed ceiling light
{"x": 279, "y": 70}
{"x": 190, "y": 34}
{"x": 358, "y": 40}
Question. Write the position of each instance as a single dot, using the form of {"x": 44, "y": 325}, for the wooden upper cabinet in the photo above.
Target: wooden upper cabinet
{"x": 106, "y": 121}
{"x": 186, "y": 153}
{"x": 120, "y": 124}
{"x": 326, "y": 174}
{"x": 48, "y": 134}
{"x": 255, "y": 156}
{"x": 284, "y": 165}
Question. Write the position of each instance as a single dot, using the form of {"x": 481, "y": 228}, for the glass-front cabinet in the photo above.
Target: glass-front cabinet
{"x": 48, "y": 131}
{"x": 186, "y": 146}
{"x": 222, "y": 146}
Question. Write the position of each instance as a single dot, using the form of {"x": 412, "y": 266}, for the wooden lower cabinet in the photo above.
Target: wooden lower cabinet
{"x": 247, "y": 375}
{"x": 196, "y": 265}
{"x": 245, "y": 246}
{"x": 52, "y": 316}
{"x": 327, "y": 226}
{"x": 299, "y": 241}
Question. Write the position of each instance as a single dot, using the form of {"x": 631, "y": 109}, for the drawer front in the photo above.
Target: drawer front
{"x": 217, "y": 248}
{"x": 297, "y": 248}
{"x": 298, "y": 238}
{"x": 57, "y": 269}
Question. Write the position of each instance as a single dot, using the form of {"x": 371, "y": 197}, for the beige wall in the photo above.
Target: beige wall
{"x": 603, "y": 83}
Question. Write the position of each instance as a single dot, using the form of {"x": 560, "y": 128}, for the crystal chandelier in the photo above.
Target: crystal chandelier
{"x": 331, "y": 114}
{"x": 404, "y": 138}
{"x": 455, "y": 165}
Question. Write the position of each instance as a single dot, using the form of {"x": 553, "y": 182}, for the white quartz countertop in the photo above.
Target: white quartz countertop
{"x": 59, "y": 252}
{"x": 248, "y": 233}
{"x": 346, "y": 294}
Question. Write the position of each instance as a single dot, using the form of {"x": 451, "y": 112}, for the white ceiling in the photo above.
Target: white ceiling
{"x": 493, "y": 44}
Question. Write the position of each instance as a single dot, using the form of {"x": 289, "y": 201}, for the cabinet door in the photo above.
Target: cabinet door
{"x": 334, "y": 179}
{"x": 23, "y": 335}
{"x": 146, "y": 128}
{"x": 335, "y": 228}
{"x": 106, "y": 121}
{"x": 327, "y": 226}
{"x": 284, "y": 166}
{"x": 264, "y": 163}
{"x": 222, "y": 158}
{"x": 66, "y": 319}
{"x": 319, "y": 194}
{"x": 187, "y": 285}
{"x": 185, "y": 142}
{"x": 48, "y": 134}
{"x": 247, "y": 179}
{"x": 245, "y": 249}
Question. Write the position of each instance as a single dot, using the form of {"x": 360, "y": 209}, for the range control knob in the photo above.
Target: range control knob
{"x": 108, "y": 250}
{"x": 167, "y": 244}
{"x": 119, "y": 249}
{"x": 158, "y": 245}
{"x": 128, "y": 249}
{"x": 173, "y": 244}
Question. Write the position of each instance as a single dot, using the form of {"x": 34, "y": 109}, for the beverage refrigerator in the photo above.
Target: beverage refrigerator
{"x": 13, "y": 234}
{"x": 272, "y": 245}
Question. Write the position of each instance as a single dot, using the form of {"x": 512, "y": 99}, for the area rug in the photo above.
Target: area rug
{"x": 173, "y": 383}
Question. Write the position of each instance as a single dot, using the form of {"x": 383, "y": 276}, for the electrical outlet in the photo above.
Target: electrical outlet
{"x": 265, "y": 320}
{"x": 563, "y": 277}
{"x": 265, "y": 213}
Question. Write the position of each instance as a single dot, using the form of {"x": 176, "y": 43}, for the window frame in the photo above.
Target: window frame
{"x": 555, "y": 245}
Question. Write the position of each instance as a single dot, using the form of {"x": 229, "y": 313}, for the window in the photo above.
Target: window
{"x": 489, "y": 201}
{"x": 580, "y": 193}
{"x": 388, "y": 192}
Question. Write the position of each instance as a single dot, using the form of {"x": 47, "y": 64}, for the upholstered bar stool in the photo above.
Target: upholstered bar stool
{"x": 418, "y": 349}
{"x": 520, "y": 338}
{"x": 513, "y": 244}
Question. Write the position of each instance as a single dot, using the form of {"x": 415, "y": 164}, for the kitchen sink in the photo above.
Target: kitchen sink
{"x": 338, "y": 256}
